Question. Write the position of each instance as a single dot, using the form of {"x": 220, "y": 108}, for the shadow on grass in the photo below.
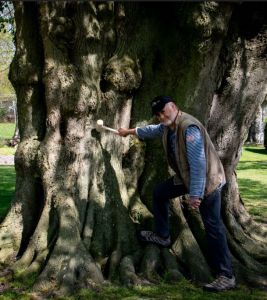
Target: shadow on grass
{"x": 7, "y": 188}
{"x": 253, "y": 189}
{"x": 256, "y": 192}
{"x": 255, "y": 150}
{"x": 246, "y": 165}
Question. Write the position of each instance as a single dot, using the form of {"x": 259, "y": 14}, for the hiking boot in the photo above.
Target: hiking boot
{"x": 222, "y": 283}
{"x": 151, "y": 237}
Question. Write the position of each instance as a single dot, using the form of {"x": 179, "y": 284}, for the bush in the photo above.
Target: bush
{"x": 2, "y": 114}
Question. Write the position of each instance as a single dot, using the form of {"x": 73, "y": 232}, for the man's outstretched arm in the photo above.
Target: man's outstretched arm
{"x": 125, "y": 132}
{"x": 147, "y": 132}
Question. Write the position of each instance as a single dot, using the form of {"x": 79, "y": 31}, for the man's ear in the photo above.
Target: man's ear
{"x": 174, "y": 106}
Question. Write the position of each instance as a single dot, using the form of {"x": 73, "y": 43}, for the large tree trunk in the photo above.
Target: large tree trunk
{"x": 81, "y": 195}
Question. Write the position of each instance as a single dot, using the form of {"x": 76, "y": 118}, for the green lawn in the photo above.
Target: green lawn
{"x": 7, "y": 188}
{"x": 6, "y": 133}
{"x": 252, "y": 180}
{"x": 179, "y": 291}
{"x": 7, "y": 130}
{"x": 7, "y": 173}
{"x": 5, "y": 150}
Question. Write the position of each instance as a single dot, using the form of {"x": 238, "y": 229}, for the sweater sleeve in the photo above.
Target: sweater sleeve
{"x": 197, "y": 161}
{"x": 150, "y": 131}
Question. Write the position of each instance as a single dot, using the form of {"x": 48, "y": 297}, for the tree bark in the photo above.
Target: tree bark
{"x": 81, "y": 195}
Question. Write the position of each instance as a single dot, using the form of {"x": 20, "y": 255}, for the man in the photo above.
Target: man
{"x": 198, "y": 172}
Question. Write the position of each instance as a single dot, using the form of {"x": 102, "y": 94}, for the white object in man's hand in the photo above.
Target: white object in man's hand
{"x": 100, "y": 127}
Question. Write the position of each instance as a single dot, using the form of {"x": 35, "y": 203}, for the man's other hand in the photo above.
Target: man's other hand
{"x": 194, "y": 202}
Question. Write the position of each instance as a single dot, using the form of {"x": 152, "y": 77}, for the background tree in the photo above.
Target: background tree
{"x": 7, "y": 50}
{"x": 81, "y": 196}
{"x": 6, "y": 55}
{"x": 256, "y": 130}
{"x": 7, "y": 47}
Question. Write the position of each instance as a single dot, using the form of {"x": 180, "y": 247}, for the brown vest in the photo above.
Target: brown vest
{"x": 214, "y": 168}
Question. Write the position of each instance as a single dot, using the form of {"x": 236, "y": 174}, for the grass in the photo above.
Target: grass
{"x": 6, "y": 133}
{"x": 7, "y": 188}
{"x": 7, "y": 130}
{"x": 5, "y": 150}
{"x": 252, "y": 180}
{"x": 7, "y": 173}
{"x": 181, "y": 290}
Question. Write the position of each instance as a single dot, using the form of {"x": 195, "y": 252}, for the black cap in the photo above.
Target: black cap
{"x": 158, "y": 103}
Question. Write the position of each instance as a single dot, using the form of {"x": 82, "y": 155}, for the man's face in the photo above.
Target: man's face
{"x": 168, "y": 114}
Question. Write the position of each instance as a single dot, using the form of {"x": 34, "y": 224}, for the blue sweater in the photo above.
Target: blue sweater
{"x": 195, "y": 153}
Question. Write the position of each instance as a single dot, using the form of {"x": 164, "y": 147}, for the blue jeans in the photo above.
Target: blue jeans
{"x": 210, "y": 210}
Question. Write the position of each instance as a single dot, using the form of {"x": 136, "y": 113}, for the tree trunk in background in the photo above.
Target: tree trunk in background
{"x": 81, "y": 195}
{"x": 16, "y": 137}
{"x": 256, "y": 130}
{"x": 264, "y": 109}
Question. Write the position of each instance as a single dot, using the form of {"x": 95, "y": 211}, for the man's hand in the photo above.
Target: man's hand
{"x": 194, "y": 202}
{"x": 125, "y": 132}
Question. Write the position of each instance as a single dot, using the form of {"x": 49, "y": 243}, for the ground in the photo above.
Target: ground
{"x": 7, "y": 160}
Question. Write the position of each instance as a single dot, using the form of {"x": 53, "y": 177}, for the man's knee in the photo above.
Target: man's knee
{"x": 159, "y": 191}
{"x": 214, "y": 227}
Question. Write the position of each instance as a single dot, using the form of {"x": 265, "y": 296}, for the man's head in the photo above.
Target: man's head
{"x": 165, "y": 109}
